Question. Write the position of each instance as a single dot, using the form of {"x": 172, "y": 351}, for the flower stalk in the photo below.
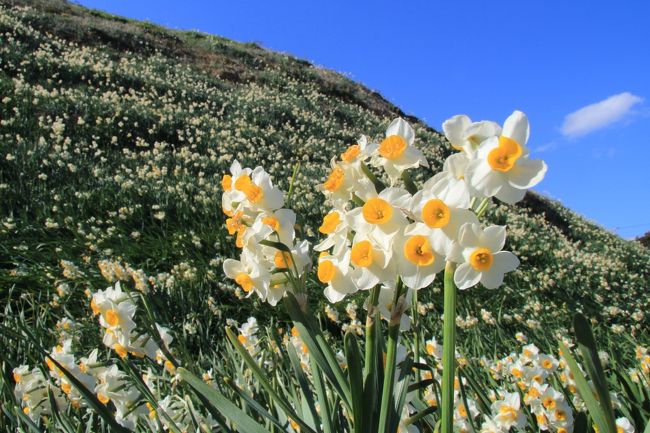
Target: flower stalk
{"x": 449, "y": 349}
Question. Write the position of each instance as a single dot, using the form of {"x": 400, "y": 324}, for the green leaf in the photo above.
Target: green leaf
{"x": 319, "y": 349}
{"x": 64, "y": 424}
{"x": 243, "y": 421}
{"x": 587, "y": 345}
{"x": 593, "y": 406}
{"x": 355, "y": 377}
{"x": 580, "y": 424}
{"x": 277, "y": 245}
{"x": 262, "y": 378}
{"x": 254, "y": 404}
{"x": 304, "y": 383}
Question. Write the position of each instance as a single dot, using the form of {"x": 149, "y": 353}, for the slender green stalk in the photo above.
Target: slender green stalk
{"x": 416, "y": 332}
{"x": 389, "y": 372}
{"x": 482, "y": 207}
{"x": 370, "y": 330}
{"x": 449, "y": 350}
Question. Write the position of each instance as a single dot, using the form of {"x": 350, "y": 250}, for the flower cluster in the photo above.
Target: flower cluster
{"x": 375, "y": 233}
{"x": 255, "y": 216}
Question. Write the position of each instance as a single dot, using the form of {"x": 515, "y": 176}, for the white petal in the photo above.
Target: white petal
{"x": 492, "y": 278}
{"x": 455, "y": 127}
{"x": 402, "y": 128}
{"x": 232, "y": 267}
{"x": 505, "y": 261}
{"x": 516, "y": 127}
{"x": 469, "y": 235}
{"x": 527, "y": 173}
{"x": 509, "y": 194}
{"x": 494, "y": 238}
{"x": 466, "y": 276}
{"x": 483, "y": 178}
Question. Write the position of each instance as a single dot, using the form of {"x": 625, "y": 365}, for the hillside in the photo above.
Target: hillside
{"x": 114, "y": 135}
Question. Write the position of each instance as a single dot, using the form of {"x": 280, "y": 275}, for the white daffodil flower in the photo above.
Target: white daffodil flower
{"x": 623, "y": 425}
{"x": 232, "y": 197}
{"x": 115, "y": 308}
{"x": 480, "y": 258}
{"x": 343, "y": 181}
{"x": 452, "y": 180}
{"x": 507, "y": 412}
{"x": 337, "y": 274}
{"x": 335, "y": 226}
{"x": 371, "y": 263}
{"x": 357, "y": 153}
{"x": 248, "y": 273}
{"x": 445, "y": 214}
{"x": 382, "y": 216}
{"x": 466, "y": 136}
{"x": 417, "y": 259}
{"x": 282, "y": 222}
{"x": 502, "y": 168}
{"x": 396, "y": 152}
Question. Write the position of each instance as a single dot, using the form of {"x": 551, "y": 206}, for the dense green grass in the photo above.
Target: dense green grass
{"x": 114, "y": 135}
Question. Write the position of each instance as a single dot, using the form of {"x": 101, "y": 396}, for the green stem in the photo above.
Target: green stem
{"x": 449, "y": 349}
{"x": 371, "y": 337}
{"x": 482, "y": 207}
{"x": 408, "y": 183}
{"x": 379, "y": 185}
{"x": 416, "y": 331}
{"x": 389, "y": 372}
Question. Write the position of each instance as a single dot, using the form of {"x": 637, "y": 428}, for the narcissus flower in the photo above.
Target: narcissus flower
{"x": 396, "y": 152}
{"x": 371, "y": 263}
{"x": 337, "y": 274}
{"x": 418, "y": 260}
{"x": 465, "y": 135}
{"x": 507, "y": 412}
{"x": 249, "y": 274}
{"x": 381, "y": 216}
{"x": 335, "y": 226}
{"x": 480, "y": 258}
{"x": 502, "y": 168}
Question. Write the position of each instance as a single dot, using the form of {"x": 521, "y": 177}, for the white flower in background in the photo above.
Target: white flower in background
{"x": 507, "y": 412}
{"x": 371, "y": 263}
{"x": 418, "y": 260}
{"x": 465, "y": 135}
{"x": 248, "y": 273}
{"x": 357, "y": 153}
{"x": 336, "y": 273}
{"x": 396, "y": 152}
{"x": 452, "y": 180}
{"x": 343, "y": 181}
{"x": 115, "y": 308}
{"x": 480, "y": 258}
{"x": 502, "y": 168}
{"x": 337, "y": 229}
{"x": 623, "y": 425}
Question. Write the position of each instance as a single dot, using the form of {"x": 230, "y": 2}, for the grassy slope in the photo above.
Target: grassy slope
{"x": 163, "y": 113}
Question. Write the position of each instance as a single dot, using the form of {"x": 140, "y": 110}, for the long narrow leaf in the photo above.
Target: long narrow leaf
{"x": 241, "y": 419}
{"x": 303, "y": 382}
{"x": 355, "y": 376}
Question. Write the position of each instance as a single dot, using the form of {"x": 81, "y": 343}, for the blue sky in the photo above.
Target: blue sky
{"x": 484, "y": 59}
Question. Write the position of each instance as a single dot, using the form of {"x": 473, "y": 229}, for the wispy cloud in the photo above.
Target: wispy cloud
{"x": 600, "y": 114}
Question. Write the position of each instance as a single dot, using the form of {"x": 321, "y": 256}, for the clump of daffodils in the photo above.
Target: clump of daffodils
{"x": 375, "y": 235}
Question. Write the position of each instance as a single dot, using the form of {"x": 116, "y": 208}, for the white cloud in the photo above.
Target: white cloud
{"x": 599, "y": 114}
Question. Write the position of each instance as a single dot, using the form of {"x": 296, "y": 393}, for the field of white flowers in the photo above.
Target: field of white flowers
{"x": 114, "y": 140}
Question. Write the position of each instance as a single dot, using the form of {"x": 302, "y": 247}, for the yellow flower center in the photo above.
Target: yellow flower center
{"x": 103, "y": 398}
{"x": 245, "y": 281}
{"x": 239, "y": 241}
{"x": 481, "y": 259}
{"x": 112, "y": 317}
{"x": 282, "y": 259}
{"x": 17, "y": 377}
{"x": 503, "y": 157}
{"x": 435, "y": 214}
{"x": 560, "y": 415}
{"x": 253, "y": 192}
{"x": 330, "y": 222}
{"x": 120, "y": 350}
{"x": 508, "y": 412}
{"x": 361, "y": 254}
{"x": 392, "y": 147}
{"x": 377, "y": 211}
{"x": 226, "y": 182}
{"x": 547, "y": 364}
{"x": 548, "y": 402}
{"x": 418, "y": 250}
{"x": 334, "y": 180}
{"x": 272, "y": 222}
{"x": 242, "y": 339}
{"x": 233, "y": 224}
{"x": 351, "y": 153}
{"x": 326, "y": 271}
{"x": 66, "y": 387}
{"x": 462, "y": 411}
